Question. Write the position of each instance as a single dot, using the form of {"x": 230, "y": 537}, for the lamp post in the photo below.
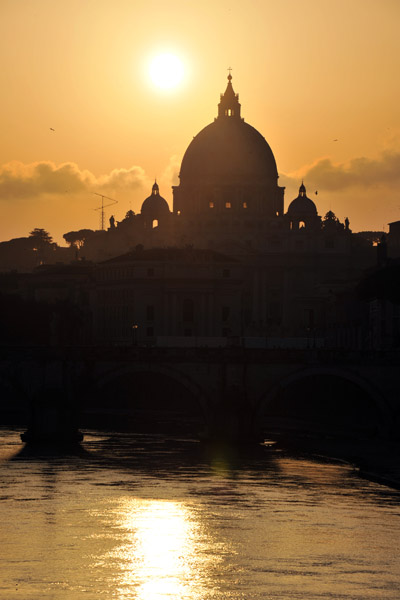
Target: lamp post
{"x": 134, "y": 334}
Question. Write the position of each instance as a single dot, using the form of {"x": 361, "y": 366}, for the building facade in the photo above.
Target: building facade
{"x": 288, "y": 265}
{"x": 227, "y": 262}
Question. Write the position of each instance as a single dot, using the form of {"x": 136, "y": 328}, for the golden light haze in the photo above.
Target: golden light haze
{"x": 318, "y": 79}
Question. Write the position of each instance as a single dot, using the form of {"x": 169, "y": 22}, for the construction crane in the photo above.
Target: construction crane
{"x": 103, "y": 206}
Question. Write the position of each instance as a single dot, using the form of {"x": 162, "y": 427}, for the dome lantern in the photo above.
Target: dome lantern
{"x": 229, "y": 105}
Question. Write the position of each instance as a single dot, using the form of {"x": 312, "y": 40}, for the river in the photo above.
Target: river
{"x": 153, "y": 518}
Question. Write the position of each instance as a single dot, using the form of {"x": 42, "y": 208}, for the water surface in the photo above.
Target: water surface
{"x": 149, "y": 518}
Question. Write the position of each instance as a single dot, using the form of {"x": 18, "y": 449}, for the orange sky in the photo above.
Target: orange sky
{"x": 307, "y": 73}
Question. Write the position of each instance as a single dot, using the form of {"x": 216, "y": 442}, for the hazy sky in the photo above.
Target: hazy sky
{"x": 307, "y": 73}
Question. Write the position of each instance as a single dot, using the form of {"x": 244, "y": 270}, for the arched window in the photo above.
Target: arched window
{"x": 302, "y": 225}
{"x": 155, "y": 223}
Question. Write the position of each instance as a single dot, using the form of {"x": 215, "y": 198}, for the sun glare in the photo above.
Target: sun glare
{"x": 166, "y": 71}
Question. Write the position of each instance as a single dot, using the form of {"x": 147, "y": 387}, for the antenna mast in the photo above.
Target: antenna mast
{"x": 103, "y": 206}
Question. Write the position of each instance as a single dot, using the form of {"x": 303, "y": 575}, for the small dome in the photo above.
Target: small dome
{"x": 302, "y": 205}
{"x": 155, "y": 206}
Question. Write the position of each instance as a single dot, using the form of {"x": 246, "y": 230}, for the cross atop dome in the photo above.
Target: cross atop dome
{"x": 229, "y": 105}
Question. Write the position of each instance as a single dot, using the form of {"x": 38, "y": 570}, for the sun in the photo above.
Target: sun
{"x": 166, "y": 71}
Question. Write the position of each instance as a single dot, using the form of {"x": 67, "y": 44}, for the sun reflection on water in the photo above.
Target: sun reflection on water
{"x": 158, "y": 558}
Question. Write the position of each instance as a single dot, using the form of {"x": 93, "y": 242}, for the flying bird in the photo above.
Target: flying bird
{"x": 336, "y": 140}
{"x": 316, "y": 192}
{"x": 51, "y": 129}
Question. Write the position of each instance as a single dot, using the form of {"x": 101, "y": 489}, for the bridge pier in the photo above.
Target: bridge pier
{"x": 53, "y": 419}
{"x": 231, "y": 420}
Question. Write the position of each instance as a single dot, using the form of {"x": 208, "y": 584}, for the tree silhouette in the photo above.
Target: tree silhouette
{"x": 77, "y": 238}
{"x": 330, "y": 222}
{"x": 41, "y": 237}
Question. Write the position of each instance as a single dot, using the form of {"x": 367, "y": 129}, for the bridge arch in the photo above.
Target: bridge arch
{"x": 334, "y": 396}
{"x": 138, "y": 389}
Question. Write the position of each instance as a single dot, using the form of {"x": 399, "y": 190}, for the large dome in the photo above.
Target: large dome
{"x": 228, "y": 151}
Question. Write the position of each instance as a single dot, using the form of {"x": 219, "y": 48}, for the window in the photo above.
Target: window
{"x": 188, "y": 310}
{"x": 228, "y": 205}
{"x": 244, "y": 204}
{"x": 302, "y": 225}
{"x": 211, "y": 204}
{"x": 155, "y": 223}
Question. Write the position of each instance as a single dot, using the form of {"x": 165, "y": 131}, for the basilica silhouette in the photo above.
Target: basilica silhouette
{"x": 228, "y": 265}
{"x": 228, "y": 198}
{"x": 228, "y": 262}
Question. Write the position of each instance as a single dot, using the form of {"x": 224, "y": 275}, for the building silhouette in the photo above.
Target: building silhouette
{"x": 228, "y": 249}
{"x": 227, "y": 263}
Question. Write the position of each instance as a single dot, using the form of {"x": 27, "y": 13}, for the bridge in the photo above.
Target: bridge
{"x": 234, "y": 392}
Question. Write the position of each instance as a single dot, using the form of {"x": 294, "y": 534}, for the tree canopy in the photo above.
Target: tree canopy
{"x": 78, "y": 238}
{"x": 41, "y": 236}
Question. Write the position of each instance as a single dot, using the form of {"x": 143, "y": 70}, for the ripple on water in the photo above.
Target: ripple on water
{"x": 151, "y": 519}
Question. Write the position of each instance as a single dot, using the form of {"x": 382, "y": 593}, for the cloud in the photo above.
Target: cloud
{"x": 171, "y": 173}
{"x": 358, "y": 172}
{"x": 18, "y": 180}
{"x": 131, "y": 178}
